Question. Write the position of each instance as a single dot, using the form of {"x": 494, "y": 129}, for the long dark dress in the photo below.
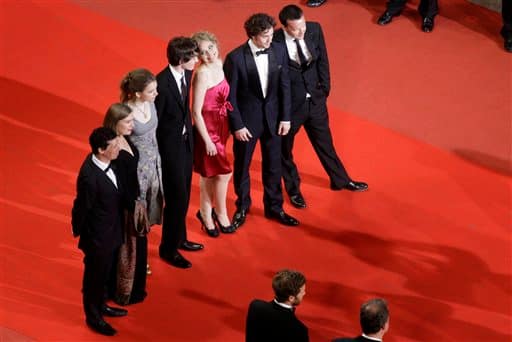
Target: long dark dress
{"x": 132, "y": 256}
{"x": 215, "y": 118}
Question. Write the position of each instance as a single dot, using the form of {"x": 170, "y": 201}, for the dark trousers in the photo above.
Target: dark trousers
{"x": 176, "y": 178}
{"x": 97, "y": 271}
{"x": 506, "y": 13}
{"x": 427, "y": 8}
{"x": 271, "y": 169}
{"x": 315, "y": 119}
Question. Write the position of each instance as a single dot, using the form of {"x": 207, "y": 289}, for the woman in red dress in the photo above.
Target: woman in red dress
{"x": 209, "y": 110}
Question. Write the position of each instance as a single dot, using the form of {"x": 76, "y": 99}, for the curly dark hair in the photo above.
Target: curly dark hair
{"x": 258, "y": 23}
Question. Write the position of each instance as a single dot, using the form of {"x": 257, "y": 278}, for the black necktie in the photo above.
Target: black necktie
{"x": 261, "y": 52}
{"x": 183, "y": 89}
{"x": 108, "y": 167}
{"x": 302, "y": 58}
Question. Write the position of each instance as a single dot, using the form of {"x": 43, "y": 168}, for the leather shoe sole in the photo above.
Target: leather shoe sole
{"x": 113, "y": 312}
{"x": 315, "y": 3}
{"x": 239, "y": 218}
{"x": 298, "y": 201}
{"x": 282, "y": 218}
{"x": 101, "y": 327}
{"x": 177, "y": 260}
{"x": 386, "y": 18}
{"x": 191, "y": 246}
{"x": 428, "y": 24}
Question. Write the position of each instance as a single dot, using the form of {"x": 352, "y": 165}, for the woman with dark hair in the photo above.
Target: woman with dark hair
{"x": 130, "y": 280}
{"x": 210, "y": 112}
{"x": 138, "y": 91}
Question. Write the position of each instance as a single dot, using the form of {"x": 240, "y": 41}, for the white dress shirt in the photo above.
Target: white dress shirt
{"x": 103, "y": 166}
{"x": 262, "y": 66}
{"x": 371, "y": 338}
{"x": 177, "y": 78}
{"x": 292, "y": 48}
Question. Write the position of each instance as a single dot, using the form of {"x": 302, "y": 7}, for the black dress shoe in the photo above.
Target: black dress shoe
{"x": 508, "y": 44}
{"x": 428, "y": 24}
{"x": 386, "y": 18}
{"x": 101, "y": 327}
{"x": 356, "y": 186}
{"x": 191, "y": 246}
{"x": 282, "y": 218}
{"x": 315, "y": 3}
{"x": 113, "y": 312}
{"x": 239, "y": 218}
{"x": 211, "y": 232}
{"x": 298, "y": 201}
{"x": 224, "y": 229}
{"x": 176, "y": 260}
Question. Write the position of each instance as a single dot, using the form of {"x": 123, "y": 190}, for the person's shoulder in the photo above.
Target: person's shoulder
{"x": 279, "y": 34}
{"x": 163, "y": 74}
{"x": 314, "y": 25}
{"x": 350, "y": 339}
{"x": 237, "y": 51}
{"x": 88, "y": 170}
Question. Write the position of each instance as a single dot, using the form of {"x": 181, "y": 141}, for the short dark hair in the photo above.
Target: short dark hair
{"x": 135, "y": 81}
{"x": 287, "y": 283}
{"x": 257, "y": 23}
{"x": 181, "y": 50}
{"x": 100, "y": 137}
{"x": 373, "y": 315}
{"x": 290, "y": 12}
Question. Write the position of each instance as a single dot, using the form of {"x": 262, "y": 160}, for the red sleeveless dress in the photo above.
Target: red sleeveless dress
{"x": 215, "y": 116}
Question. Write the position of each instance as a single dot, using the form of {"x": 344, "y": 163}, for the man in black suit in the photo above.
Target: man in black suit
{"x": 97, "y": 219}
{"x": 428, "y": 10}
{"x": 276, "y": 320}
{"x": 310, "y": 86}
{"x": 374, "y": 319}
{"x": 257, "y": 72}
{"x": 174, "y": 136}
{"x": 506, "y": 30}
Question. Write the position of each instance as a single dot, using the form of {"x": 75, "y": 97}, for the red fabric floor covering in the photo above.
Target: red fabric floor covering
{"x": 432, "y": 234}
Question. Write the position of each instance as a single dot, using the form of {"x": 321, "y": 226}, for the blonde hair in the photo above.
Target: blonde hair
{"x": 204, "y": 35}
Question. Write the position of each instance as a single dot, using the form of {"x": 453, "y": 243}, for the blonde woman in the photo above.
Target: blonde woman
{"x": 210, "y": 112}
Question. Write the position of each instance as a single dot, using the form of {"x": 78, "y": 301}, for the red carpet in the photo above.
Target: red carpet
{"x": 425, "y": 119}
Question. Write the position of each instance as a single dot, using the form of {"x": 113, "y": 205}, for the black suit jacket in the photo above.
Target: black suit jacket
{"x": 268, "y": 322}
{"x": 355, "y": 339}
{"x": 315, "y": 78}
{"x": 250, "y": 108}
{"x": 173, "y": 114}
{"x": 97, "y": 209}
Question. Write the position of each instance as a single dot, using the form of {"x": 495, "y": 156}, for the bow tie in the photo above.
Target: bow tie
{"x": 109, "y": 167}
{"x": 261, "y": 52}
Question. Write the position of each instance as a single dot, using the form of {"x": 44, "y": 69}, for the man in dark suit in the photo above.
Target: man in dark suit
{"x": 276, "y": 320}
{"x": 428, "y": 10}
{"x": 310, "y": 86}
{"x": 257, "y": 72}
{"x": 174, "y": 136}
{"x": 506, "y": 30}
{"x": 374, "y": 319}
{"x": 97, "y": 219}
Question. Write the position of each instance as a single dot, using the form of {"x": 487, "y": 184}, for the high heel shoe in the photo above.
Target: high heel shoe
{"x": 225, "y": 229}
{"x": 211, "y": 232}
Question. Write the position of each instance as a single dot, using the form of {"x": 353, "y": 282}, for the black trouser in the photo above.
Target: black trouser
{"x": 97, "y": 270}
{"x": 427, "y": 8}
{"x": 315, "y": 119}
{"x": 270, "y": 169}
{"x": 177, "y": 178}
{"x": 506, "y": 13}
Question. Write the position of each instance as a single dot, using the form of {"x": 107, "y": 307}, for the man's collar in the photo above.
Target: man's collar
{"x": 253, "y": 47}
{"x": 177, "y": 74}
{"x": 371, "y": 338}
{"x": 287, "y": 306}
